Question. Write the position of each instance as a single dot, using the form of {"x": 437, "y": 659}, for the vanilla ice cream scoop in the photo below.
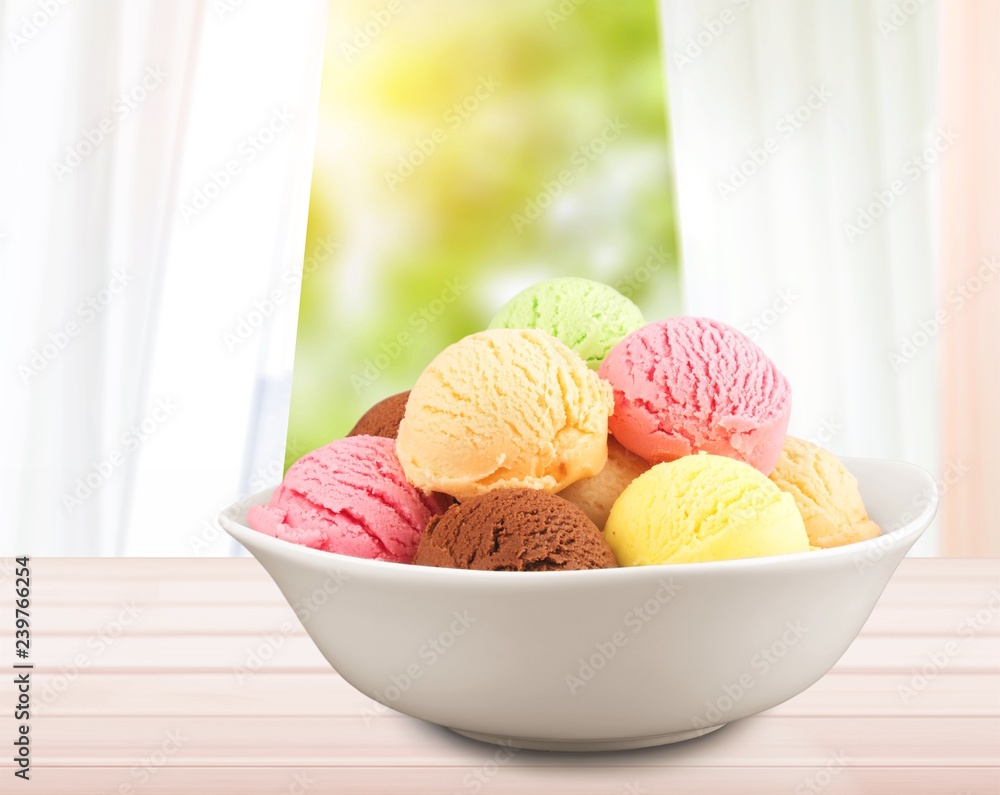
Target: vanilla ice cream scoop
{"x": 504, "y": 408}
{"x": 595, "y": 496}
{"x": 826, "y": 494}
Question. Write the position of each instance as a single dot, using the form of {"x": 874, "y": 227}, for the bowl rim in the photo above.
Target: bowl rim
{"x": 873, "y": 549}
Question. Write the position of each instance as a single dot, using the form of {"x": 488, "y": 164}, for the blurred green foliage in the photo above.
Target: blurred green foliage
{"x": 465, "y": 150}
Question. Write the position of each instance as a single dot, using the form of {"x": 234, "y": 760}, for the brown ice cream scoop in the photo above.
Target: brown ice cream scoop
{"x": 383, "y": 418}
{"x": 514, "y": 530}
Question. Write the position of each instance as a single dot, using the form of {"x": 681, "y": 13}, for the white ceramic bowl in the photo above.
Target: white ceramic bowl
{"x": 596, "y": 660}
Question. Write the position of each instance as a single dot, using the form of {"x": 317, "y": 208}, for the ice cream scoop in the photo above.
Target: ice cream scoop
{"x": 826, "y": 494}
{"x": 589, "y": 317}
{"x": 703, "y": 508}
{"x": 595, "y": 496}
{"x": 514, "y": 530}
{"x": 688, "y": 384}
{"x": 383, "y": 418}
{"x": 350, "y": 497}
{"x": 502, "y": 409}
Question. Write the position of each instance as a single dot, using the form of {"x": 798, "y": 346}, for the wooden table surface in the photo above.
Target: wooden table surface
{"x": 170, "y": 676}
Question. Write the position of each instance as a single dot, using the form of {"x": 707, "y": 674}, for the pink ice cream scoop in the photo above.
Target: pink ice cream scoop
{"x": 350, "y": 497}
{"x": 691, "y": 384}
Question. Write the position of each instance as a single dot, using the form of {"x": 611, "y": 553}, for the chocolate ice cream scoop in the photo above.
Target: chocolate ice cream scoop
{"x": 514, "y": 530}
{"x": 383, "y": 418}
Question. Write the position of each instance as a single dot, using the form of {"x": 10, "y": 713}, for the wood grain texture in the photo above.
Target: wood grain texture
{"x": 149, "y": 700}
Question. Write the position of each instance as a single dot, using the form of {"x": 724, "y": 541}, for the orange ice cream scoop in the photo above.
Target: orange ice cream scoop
{"x": 505, "y": 408}
{"x": 825, "y": 493}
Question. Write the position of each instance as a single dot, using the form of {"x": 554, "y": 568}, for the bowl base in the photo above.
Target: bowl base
{"x": 621, "y": 744}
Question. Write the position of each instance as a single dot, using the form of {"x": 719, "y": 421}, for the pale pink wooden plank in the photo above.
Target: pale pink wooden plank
{"x": 247, "y": 568}
{"x": 307, "y": 741}
{"x": 964, "y": 568}
{"x": 296, "y": 652}
{"x": 912, "y": 593}
{"x": 206, "y": 591}
{"x": 306, "y": 694}
{"x": 143, "y": 590}
{"x": 940, "y": 620}
{"x": 76, "y": 569}
{"x": 891, "y": 695}
{"x": 228, "y": 653}
{"x": 561, "y": 775}
{"x": 83, "y": 620}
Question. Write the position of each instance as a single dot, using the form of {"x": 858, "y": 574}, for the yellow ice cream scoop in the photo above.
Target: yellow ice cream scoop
{"x": 702, "y": 508}
{"x": 826, "y": 494}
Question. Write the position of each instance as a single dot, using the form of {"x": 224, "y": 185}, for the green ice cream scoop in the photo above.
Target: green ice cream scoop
{"x": 588, "y": 317}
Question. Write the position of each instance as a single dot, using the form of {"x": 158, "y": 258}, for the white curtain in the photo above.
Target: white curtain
{"x": 138, "y": 271}
{"x": 155, "y": 162}
{"x": 807, "y": 145}
{"x": 971, "y": 276}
